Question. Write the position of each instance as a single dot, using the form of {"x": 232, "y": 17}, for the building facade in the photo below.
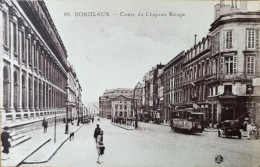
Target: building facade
{"x": 33, "y": 63}
{"x": 116, "y": 102}
{"x": 150, "y": 90}
{"x": 215, "y": 75}
{"x": 138, "y": 100}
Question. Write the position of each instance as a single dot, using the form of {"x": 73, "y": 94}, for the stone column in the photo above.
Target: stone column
{"x": 13, "y": 21}
{"x": 2, "y": 110}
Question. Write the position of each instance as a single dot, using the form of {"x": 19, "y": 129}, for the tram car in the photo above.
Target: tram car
{"x": 187, "y": 121}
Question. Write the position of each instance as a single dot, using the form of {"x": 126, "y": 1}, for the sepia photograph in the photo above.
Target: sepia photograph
{"x": 119, "y": 83}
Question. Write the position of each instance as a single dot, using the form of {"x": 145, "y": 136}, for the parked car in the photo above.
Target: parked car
{"x": 229, "y": 128}
{"x": 146, "y": 119}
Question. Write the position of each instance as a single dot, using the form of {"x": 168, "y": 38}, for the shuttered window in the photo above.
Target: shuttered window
{"x": 250, "y": 64}
{"x": 251, "y": 38}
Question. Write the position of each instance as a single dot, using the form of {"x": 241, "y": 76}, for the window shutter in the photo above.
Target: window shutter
{"x": 257, "y": 39}
{"x": 235, "y": 64}
{"x": 252, "y": 65}
{"x": 221, "y": 65}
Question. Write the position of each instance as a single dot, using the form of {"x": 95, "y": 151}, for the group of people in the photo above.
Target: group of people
{"x": 251, "y": 129}
{"x": 98, "y": 135}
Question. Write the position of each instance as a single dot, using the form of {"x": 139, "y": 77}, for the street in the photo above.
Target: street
{"x": 154, "y": 146}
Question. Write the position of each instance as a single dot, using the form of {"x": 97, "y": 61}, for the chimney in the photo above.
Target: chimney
{"x": 221, "y": 3}
{"x": 195, "y": 39}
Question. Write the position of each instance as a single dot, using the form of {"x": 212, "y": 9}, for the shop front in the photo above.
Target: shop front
{"x": 225, "y": 107}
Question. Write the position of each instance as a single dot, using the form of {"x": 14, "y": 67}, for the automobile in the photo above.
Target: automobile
{"x": 146, "y": 119}
{"x": 86, "y": 120}
{"x": 229, "y": 128}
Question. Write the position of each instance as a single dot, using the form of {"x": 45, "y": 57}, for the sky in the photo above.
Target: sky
{"x": 115, "y": 51}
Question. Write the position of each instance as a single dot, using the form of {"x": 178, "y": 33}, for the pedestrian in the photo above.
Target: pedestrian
{"x": 45, "y": 124}
{"x": 245, "y": 123}
{"x": 249, "y": 129}
{"x": 100, "y": 145}
{"x": 92, "y": 119}
{"x": 97, "y": 130}
{"x": 5, "y": 136}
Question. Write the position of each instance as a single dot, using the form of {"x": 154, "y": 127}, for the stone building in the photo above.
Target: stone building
{"x": 234, "y": 59}
{"x": 33, "y": 63}
{"x": 72, "y": 93}
{"x": 215, "y": 75}
{"x": 116, "y": 103}
{"x": 150, "y": 81}
{"x": 138, "y": 100}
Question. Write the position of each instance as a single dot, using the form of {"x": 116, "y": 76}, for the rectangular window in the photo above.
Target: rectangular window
{"x": 22, "y": 47}
{"x": 28, "y": 51}
{"x": 251, "y": 38}
{"x": 230, "y": 65}
{"x": 15, "y": 37}
{"x": 33, "y": 53}
{"x": 40, "y": 61}
{"x": 35, "y": 56}
{"x": 250, "y": 65}
{"x": 5, "y": 29}
{"x": 228, "y": 39}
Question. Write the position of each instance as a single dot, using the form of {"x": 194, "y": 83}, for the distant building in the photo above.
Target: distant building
{"x": 150, "y": 107}
{"x": 116, "y": 103}
{"x": 138, "y": 100}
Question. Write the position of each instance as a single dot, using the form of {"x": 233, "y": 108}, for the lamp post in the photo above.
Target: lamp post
{"x": 250, "y": 104}
{"x": 135, "y": 109}
{"x": 78, "y": 110}
{"x": 67, "y": 125}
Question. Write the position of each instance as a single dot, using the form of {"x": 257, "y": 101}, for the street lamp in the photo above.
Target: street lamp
{"x": 135, "y": 109}
{"x": 67, "y": 125}
{"x": 78, "y": 110}
{"x": 250, "y": 104}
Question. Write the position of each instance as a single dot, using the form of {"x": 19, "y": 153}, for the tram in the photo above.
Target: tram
{"x": 187, "y": 121}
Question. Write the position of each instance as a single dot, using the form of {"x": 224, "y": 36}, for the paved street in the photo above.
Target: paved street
{"x": 156, "y": 146}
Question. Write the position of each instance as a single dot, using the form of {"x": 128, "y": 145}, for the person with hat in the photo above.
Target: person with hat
{"x": 100, "y": 145}
{"x": 5, "y": 136}
{"x": 45, "y": 125}
{"x": 96, "y": 132}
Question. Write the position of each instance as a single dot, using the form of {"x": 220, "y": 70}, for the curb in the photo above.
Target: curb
{"x": 45, "y": 161}
{"x": 121, "y": 126}
{"x": 34, "y": 150}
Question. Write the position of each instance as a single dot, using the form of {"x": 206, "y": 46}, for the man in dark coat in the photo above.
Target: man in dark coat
{"x": 96, "y": 133}
{"x": 5, "y": 143}
{"x": 45, "y": 125}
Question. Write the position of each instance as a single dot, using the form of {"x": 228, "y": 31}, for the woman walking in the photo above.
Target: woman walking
{"x": 100, "y": 145}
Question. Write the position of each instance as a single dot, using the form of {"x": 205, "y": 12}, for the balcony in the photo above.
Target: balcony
{"x": 231, "y": 77}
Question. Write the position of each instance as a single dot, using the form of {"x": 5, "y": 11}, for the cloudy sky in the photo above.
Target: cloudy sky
{"x": 116, "y": 51}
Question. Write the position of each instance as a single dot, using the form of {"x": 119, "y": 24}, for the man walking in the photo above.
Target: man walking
{"x": 5, "y": 143}
{"x": 45, "y": 124}
{"x": 96, "y": 133}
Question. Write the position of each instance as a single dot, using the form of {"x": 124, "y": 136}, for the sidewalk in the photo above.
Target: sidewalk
{"x": 130, "y": 127}
{"x": 41, "y": 147}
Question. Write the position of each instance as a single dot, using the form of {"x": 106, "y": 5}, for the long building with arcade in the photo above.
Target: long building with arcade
{"x": 36, "y": 79}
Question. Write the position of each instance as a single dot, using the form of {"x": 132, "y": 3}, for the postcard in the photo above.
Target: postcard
{"x": 116, "y": 83}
